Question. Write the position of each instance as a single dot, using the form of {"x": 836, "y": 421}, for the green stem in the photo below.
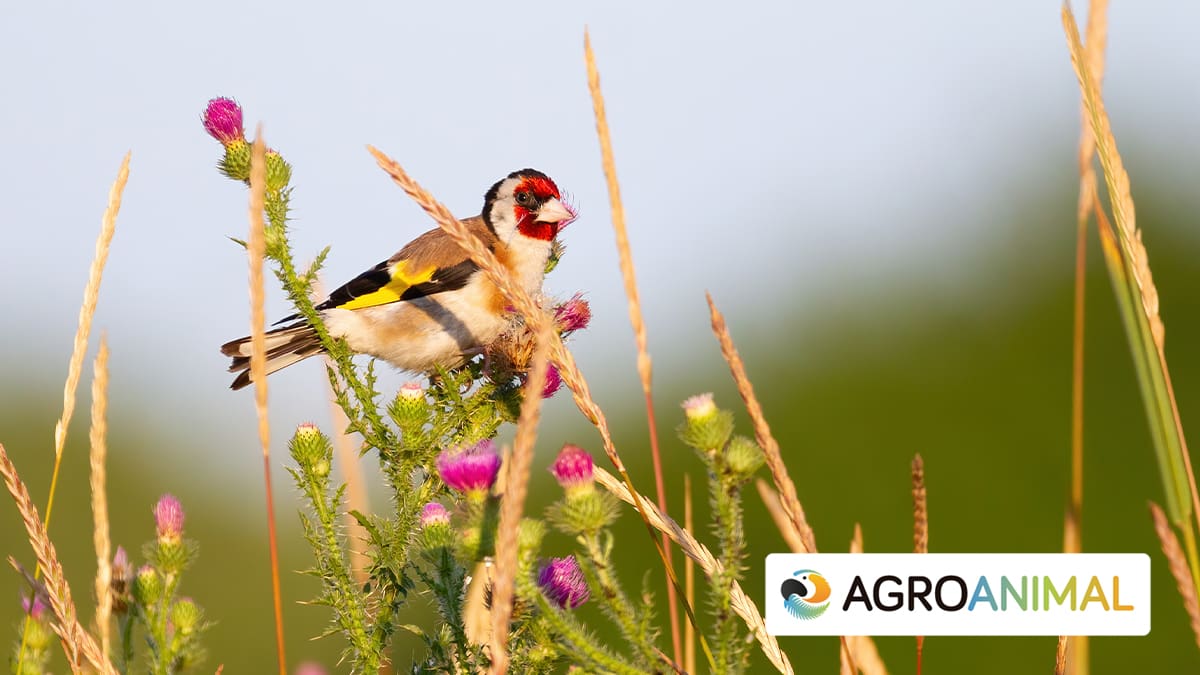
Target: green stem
{"x": 379, "y": 435}
{"x": 125, "y": 627}
{"x": 1159, "y": 416}
{"x": 729, "y": 647}
{"x": 453, "y": 578}
{"x": 598, "y": 564}
{"x": 350, "y": 612}
{"x": 573, "y": 641}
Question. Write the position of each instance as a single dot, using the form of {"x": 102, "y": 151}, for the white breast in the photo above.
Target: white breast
{"x": 440, "y": 330}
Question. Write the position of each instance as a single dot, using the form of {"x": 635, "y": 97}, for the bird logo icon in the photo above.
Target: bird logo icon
{"x": 805, "y": 594}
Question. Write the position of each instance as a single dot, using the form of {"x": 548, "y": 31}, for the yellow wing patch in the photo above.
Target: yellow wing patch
{"x": 401, "y": 280}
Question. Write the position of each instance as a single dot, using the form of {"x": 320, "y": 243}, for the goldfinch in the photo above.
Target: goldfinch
{"x": 430, "y": 305}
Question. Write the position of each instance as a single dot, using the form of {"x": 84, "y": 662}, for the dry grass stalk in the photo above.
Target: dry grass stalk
{"x": 770, "y": 499}
{"x": 1097, "y": 35}
{"x": 100, "y": 535}
{"x": 629, "y": 277}
{"x": 356, "y": 490}
{"x": 77, "y": 643}
{"x": 513, "y": 505}
{"x": 535, "y": 318}
{"x": 1060, "y": 655}
{"x": 477, "y": 620}
{"x": 762, "y": 431}
{"x": 920, "y": 528}
{"x": 1117, "y": 181}
{"x": 352, "y": 473}
{"x": 1177, "y": 561}
{"x": 920, "y": 507}
{"x": 862, "y": 649}
{"x": 866, "y": 655}
{"x": 847, "y": 666}
{"x": 256, "y": 247}
{"x": 741, "y": 603}
{"x": 689, "y": 581}
{"x": 87, "y": 310}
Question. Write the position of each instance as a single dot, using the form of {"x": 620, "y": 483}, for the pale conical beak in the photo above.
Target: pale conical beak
{"x": 554, "y": 211}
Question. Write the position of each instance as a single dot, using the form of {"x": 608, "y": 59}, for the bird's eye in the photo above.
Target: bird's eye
{"x": 524, "y": 198}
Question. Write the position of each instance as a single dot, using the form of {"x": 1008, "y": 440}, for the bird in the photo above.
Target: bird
{"x": 430, "y": 305}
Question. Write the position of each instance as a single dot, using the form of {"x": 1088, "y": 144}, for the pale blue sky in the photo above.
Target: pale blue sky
{"x": 776, "y": 153}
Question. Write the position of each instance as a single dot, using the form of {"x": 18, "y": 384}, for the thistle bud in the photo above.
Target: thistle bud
{"x": 705, "y": 428}
{"x": 434, "y": 514}
{"x": 38, "y": 637}
{"x": 187, "y": 616}
{"x": 279, "y": 172}
{"x": 530, "y": 533}
{"x": 311, "y": 450}
{"x": 147, "y": 586}
{"x": 699, "y": 407}
{"x": 743, "y": 457}
{"x": 574, "y": 471}
{"x": 235, "y": 163}
{"x": 122, "y": 580}
{"x": 410, "y": 409}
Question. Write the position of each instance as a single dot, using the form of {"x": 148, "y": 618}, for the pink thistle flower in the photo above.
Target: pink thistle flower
{"x": 168, "y": 519}
{"x": 307, "y": 430}
{"x": 223, "y": 120}
{"x": 553, "y": 381}
{"x": 563, "y": 583}
{"x": 120, "y": 559}
{"x": 412, "y": 391}
{"x": 311, "y": 668}
{"x": 434, "y": 514}
{"x": 122, "y": 569}
{"x": 34, "y": 607}
{"x": 573, "y": 468}
{"x": 471, "y": 470}
{"x": 573, "y": 315}
{"x": 699, "y": 407}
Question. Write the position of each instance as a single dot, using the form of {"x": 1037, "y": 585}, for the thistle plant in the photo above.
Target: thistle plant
{"x": 432, "y": 442}
{"x": 39, "y": 639}
{"x": 149, "y": 609}
{"x": 587, "y": 513}
{"x": 730, "y": 462}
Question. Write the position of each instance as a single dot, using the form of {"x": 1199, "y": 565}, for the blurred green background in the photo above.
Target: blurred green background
{"x": 979, "y": 385}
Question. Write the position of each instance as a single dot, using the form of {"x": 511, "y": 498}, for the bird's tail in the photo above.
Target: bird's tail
{"x": 285, "y": 346}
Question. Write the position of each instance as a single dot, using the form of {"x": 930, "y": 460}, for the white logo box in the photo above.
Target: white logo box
{"x": 1118, "y": 581}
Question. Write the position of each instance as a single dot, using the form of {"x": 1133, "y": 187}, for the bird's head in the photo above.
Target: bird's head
{"x": 526, "y": 202}
{"x": 810, "y": 586}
